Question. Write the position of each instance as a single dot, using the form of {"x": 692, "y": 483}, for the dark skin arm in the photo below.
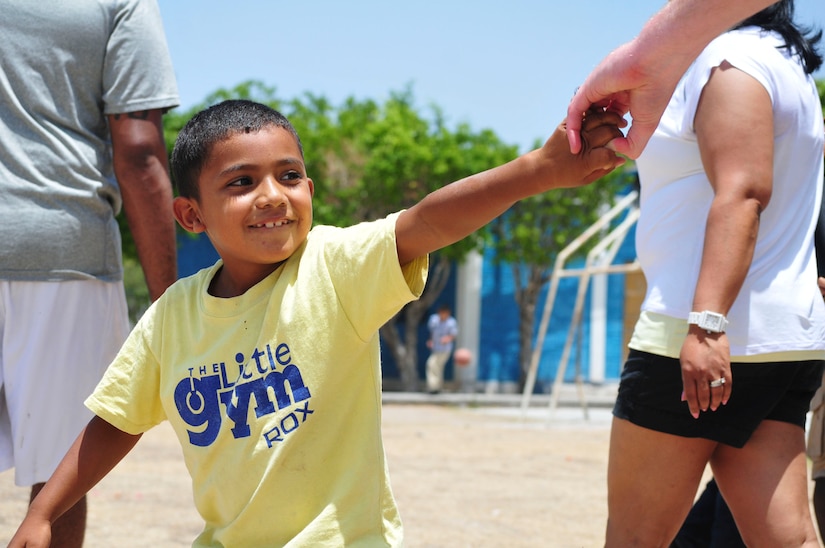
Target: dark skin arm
{"x": 98, "y": 448}
{"x": 142, "y": 172}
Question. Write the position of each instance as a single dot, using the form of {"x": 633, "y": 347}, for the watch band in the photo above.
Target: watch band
{"x": 712, "y": 322}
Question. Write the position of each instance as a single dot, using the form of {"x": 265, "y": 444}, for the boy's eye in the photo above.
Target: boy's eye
{"x": 292, "y": 176}
{"x": 241, "y": 181}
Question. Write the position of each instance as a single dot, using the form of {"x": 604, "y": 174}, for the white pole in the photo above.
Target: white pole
{"x": 598, "y": 327}
{"x": 468, "y": 316}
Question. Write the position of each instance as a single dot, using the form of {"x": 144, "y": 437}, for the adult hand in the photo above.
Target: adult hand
{"x": 639, "y": 77}
{"x": 705, "y": 358}
{"x": 620, "y": 84}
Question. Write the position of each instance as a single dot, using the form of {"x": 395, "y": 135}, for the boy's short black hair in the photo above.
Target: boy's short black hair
{"x": 213, "y": 125}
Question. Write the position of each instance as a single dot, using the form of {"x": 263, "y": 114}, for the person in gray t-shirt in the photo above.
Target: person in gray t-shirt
{"x": 83, "y": 87}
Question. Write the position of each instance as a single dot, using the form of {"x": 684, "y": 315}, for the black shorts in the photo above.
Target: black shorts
{"x": 650, "y": 396}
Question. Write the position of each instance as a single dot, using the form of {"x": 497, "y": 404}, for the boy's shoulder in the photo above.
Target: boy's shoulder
{"x": 346, "y": 240}
{"x": 381, "y": 225}
{"x": 186, "y": 285}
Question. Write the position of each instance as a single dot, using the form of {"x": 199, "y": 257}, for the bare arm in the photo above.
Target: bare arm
{"x": 98, "y": 448}
{"x": 639, "y": 77}
{"x": 140, "y": 165}
{"x": 457, "y": 210}
{"x": 734, "y": 128}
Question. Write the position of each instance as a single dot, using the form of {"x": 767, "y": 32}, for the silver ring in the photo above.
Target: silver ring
{"x": 717, "y": 383}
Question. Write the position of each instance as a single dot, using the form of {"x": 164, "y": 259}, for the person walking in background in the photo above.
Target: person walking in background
{"x": 443, "y": 330}
{"x": 730, "y": 344}
{"x": 83, "y": 85}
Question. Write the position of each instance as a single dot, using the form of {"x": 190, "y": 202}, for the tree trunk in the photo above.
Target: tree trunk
{"x": 527, "y": 299}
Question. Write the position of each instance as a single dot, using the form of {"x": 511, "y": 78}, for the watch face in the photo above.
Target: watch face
{"x": 712, "y": 322}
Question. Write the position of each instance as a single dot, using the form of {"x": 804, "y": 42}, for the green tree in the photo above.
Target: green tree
{"x": 409, "y": 157}
{"x": 368, "y": 160}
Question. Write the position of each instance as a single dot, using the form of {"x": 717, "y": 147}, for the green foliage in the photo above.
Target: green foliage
{"x": 369, "y": 159}
{"x": 366, "y": 159}
{"x": 536, "y": 229}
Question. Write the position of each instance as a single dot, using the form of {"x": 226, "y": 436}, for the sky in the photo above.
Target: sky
{"x": 507, "y": 66}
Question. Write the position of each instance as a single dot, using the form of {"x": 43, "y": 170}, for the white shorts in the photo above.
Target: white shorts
{"x": 56, "y": 340}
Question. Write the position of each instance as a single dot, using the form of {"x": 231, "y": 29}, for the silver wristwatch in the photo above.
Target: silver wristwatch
{"x": 712, "y": 322}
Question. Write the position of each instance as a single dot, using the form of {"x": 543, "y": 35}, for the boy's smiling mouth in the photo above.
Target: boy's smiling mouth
{"x": 272, "y": 224}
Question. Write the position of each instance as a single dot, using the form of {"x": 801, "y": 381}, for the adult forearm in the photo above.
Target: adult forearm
{"x": 147, "y": 203}
{"x": 682, "y": 28}
{"x": 142, "y": 172}
{"x": 730, "y": 239}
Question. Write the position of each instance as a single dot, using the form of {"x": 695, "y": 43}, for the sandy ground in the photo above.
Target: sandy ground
{"x": 464, "y": 476}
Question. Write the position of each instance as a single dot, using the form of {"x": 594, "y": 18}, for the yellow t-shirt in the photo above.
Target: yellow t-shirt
{"x": 275, "y": 395}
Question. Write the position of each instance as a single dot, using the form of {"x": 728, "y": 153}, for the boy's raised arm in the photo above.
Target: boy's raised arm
{"x": 98, "y": 448}
{"x": 457, "y": 210}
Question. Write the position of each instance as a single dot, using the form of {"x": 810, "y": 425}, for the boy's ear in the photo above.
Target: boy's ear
{"x": 188, "y": 215}
{"x": 311, "y": 187}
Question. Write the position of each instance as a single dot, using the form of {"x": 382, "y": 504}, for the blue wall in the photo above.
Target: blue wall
{"x": 195, "y": 252}
{"x": 498, "y": 358}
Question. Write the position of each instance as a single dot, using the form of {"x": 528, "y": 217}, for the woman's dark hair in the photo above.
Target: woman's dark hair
{"x": 779, "y": 18}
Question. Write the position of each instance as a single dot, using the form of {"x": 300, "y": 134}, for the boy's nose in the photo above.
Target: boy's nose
{"x": 270, "y": 193}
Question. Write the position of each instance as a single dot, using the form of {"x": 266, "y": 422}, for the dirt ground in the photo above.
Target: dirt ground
{"x": 463, "y": 476}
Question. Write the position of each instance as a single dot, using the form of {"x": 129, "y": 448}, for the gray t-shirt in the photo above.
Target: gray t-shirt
{"x": 64, "y": 66}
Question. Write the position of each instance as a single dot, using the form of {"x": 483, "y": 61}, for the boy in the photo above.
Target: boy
{"x": 267, "y": 364}
{"x": 443, "y": 330}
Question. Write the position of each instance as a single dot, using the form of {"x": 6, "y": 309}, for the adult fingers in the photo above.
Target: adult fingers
{"x": 635, "y": 141}
{"x": 720, "y": 389}
{"x": 583, "y": 100}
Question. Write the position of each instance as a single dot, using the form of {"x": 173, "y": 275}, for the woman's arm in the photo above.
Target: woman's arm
{"x": 734, "y": 129}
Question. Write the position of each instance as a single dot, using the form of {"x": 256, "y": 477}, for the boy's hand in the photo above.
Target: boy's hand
{"x": 594, "y": 160}
{"x": 32, "y": 533}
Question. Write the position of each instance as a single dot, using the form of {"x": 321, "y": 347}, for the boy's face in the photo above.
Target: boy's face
{"x": 255, "y": 205}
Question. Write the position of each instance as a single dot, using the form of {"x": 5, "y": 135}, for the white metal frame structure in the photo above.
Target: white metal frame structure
{"x": 598, "y": 261}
